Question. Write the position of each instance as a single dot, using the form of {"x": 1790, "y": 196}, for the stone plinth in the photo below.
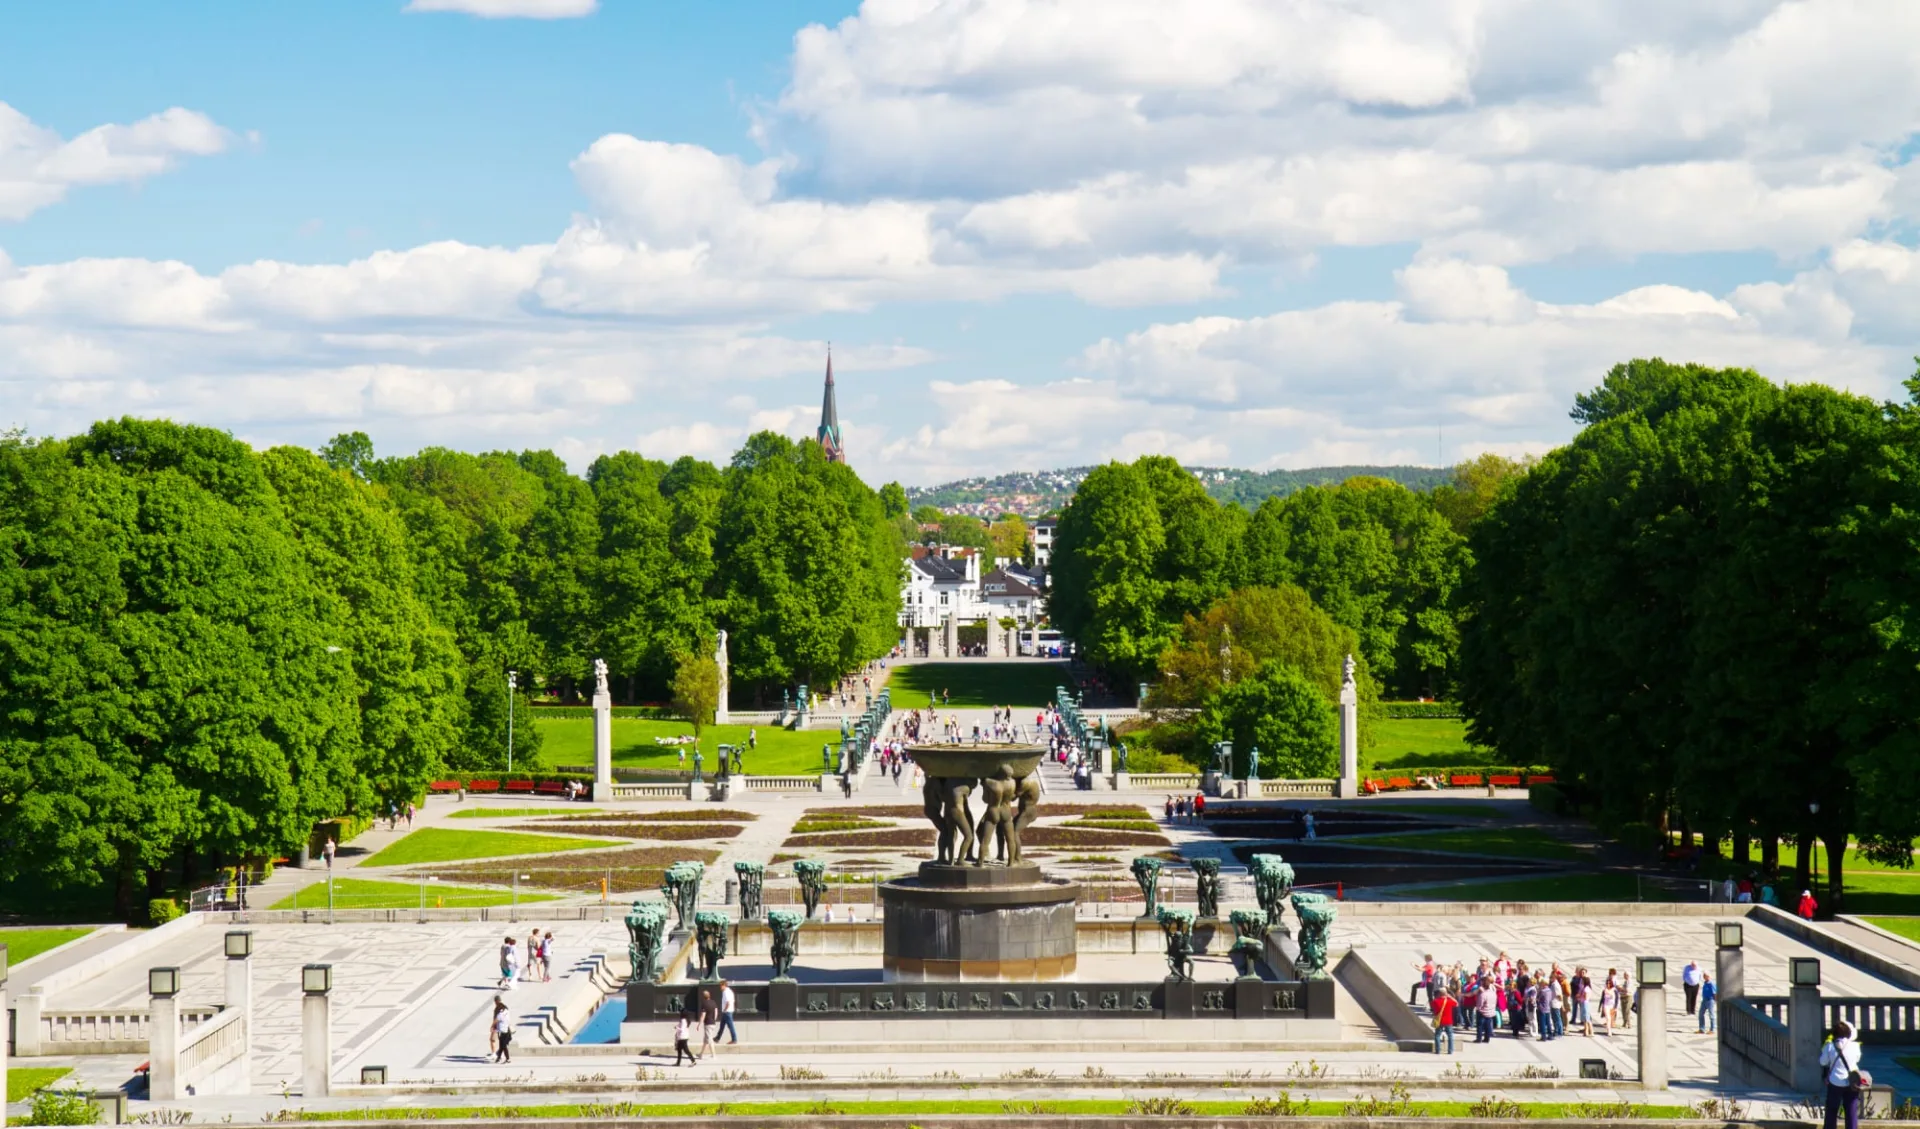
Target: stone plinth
{"x": 988, "y": 922}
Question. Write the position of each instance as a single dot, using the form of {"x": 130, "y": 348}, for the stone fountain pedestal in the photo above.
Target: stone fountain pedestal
{"x": 987, "y": 922}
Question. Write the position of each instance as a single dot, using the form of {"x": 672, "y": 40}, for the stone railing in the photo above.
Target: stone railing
{"x": 1163, "y": 781}
{"x": 778, "y": 783}
{"x": 211, "y": 1046}
{"x": 1755, "y": 1035}
{"x": 1316, "y": 788}
{"x": 1876, "y": 1020}
{"x": 105, "y": 1031}
{"x": 652, "y": 791}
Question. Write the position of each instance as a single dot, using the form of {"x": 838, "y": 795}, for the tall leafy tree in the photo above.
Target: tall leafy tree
{"x": 1279, "y": 711}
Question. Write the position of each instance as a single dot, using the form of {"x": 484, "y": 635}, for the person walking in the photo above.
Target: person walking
{"x": 1808, "y": 907}
{"x": 493, "y": 1033}
{"x": 546, "y": 956}
{"x": 1845, "y": 1080}
{"x": 1709, "y": 1020}
{"x": 726, "y": 1013}
{"x": 327, "y": 851}
{"x": 1582, "y": 986}
{"x": 682, "y": 1030}
{"x": 503, "y": 1033}
{"x": 409, "y": 815}
{"x": 709, "y": 1020}
{"x": 1424, "y": 984}
{"x": 1690, "y": 984}
{"x": 509, "y": 964}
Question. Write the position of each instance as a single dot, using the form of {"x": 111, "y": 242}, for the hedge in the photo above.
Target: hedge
{"x": 1423, "y": 710}
{"x": 466, "y": 778}
{"x": 629, "y": 713}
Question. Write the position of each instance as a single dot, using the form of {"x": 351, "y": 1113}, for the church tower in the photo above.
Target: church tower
{"x": 830, "y": 420}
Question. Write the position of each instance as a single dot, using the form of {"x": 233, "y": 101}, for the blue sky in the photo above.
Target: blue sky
{"x": 1038, "y": 232}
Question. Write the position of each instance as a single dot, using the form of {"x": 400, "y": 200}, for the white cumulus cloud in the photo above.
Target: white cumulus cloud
{"x": 38, "y": 166}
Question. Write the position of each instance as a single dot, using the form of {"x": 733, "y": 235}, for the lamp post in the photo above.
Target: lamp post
{"x": 1813, "y": 811}
{"x": 512, "y": 685}
{"x": 316, "y": 1034}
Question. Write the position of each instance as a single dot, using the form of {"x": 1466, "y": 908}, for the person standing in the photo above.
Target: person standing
{"x": 493, "y": 1033}
{"x": 327, "y": 851}
{"x": 1709, "y": 1020}
{"x": 753, "y": 738}
{"x": 726, "y": 1013}
{"x": 1845, "y": 1080}
{"x": 1488, "y": 1007}
{"x": 1443, "y": 1009}
{"x": 1690, "y": 984}
{"x": 709, "y": 1019}
{"x": 682, "y": 1030}
{"x": 1808, "y": 907}
{"x": 502, "y": 1033}
{"x": 409, "y": 815}
{"x": 1424, "y": 984}
{"x": 1582, "y": 986}
{"x": 509, "y": 964}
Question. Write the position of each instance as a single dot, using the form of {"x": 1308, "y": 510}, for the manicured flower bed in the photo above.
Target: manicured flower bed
{"x": 664, "y": 832}
{"x": 633, "y": 869}
{"x": 695, "y": 815}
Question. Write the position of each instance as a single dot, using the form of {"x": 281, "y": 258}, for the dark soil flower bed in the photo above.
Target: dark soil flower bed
{"x": 665, "y": 832}
{"x": 697, "y": 815}
{"x": 1043, "y": 836}
{"x": 633, "y": 869}
{"x": 898, "y": 837}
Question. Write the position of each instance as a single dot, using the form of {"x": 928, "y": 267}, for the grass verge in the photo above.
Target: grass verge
{"x": 366, "y": 893}
{"x": 25, "y": 944}
{"x": 779, "y": 752}
{"x": 1908, "y": 927}
{"x": 1410, "y": 742}
{"x": 445, "y": 844}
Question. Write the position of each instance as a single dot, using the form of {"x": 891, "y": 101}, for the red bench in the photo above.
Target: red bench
{"x": 519, "y": 786}
{"x": 444, "y": 786}
{"x": 1504, "y": 781}
{"x": 1543, "y": 778}
{"x": 1375, "y": 785}
{"x": 1399, "y": 783}
{"x": 483, "y": 785}
{"x": 551, "y": 788}
{"x": 1465, "y": 780}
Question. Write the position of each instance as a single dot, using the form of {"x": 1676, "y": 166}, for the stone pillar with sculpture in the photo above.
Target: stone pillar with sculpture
{"x": 602, "y": 733}
{"x": 720, "y": 713}
{"x": 1349, "y": 732}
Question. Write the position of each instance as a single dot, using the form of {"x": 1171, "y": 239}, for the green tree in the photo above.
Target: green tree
{"x": 1008, "y": 537}
{"x": 963, "y": 530}
{"x": 1107, "y": 594}
{"x": 696, "y": 690}
{"x": 351, "y": 451}
{"x": 893, "y": 500}
{"x": 1475, "y": 486}
{"x": 1282, "y": 713}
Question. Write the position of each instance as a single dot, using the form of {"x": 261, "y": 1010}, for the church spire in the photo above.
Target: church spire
{"x": 830, "y": 419}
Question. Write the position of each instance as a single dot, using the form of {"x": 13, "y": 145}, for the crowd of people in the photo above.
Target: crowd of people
{"x": 1502, "y": 995}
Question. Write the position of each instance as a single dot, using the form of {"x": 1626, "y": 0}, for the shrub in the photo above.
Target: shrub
{"x": 159, "y": 912}
{"x": 1282, "y": 1106}
{"x": 1639, "y": 836}
{"x": 1492, "y": 1108}
{"x": 1548, "y": 798}
{"x": 66, "y": 1107}
{"x": 1160, "y": 1107}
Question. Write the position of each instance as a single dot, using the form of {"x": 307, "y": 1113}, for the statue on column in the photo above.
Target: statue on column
{"x": 812, "y": 875}
{"x": 752, "y": 876}
{"x": 599, "y": 678}
{"x": 1176, "y": 925}
{"x": 786, "y": 941}
{"x": 1146, "y": 872}
{"x": 1206, "y": 873}
{"x": 646, "y": 929}
{"x": 720, "y": 663}
{"x": 710, "y": 930}
{"x": 681, "y": 882}
{"x": 1272, "y": 882}
{"x": 1316, "y": 912}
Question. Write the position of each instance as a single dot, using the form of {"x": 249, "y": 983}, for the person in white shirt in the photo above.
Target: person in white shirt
{"x": 1690, "y": 984}
{"x": 682, "y": 1030}
{"x": 726, "y": 1013}
{"x": 1841, "y": 1058}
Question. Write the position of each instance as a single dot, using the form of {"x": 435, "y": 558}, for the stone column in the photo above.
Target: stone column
{"x": 27, "y": 1008}
{"x": 240, "y": 995}
{"x": 950, "y": 636}
{"x": 316, "y": 1045}
{"x": 1653, "y": 1036}
{"x": 1806, "y": 1026}
{"x": 1349, "y": 735}
{"x": 1730, "y": 984}
{"x": 163, "y": 1049}
{"x": 4, "y": 954}
{"x": 720, "y": 660}
{"x": 602, "y": 746}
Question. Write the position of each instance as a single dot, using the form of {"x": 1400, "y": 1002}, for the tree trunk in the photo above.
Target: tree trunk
{"x": 1803, "y": 850}
{"x": 1742, "y": 846}
{"x": 633, "y": 689}
{"x": 1770, "y": 853}
{"x": 123, "y": 888}
{"x": 1836, "y": 865}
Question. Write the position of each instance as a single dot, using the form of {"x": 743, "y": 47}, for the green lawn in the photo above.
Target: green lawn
{"x": 444, "y": 844}
{"x": 1605, "y": 887}
{"x": 1448, "y": 809}
{"x": 828, "y": 1107}
{"x": 1883, "y": 893}
{"x": 977, "y": 683}
{"x": 780, "y": 752}
{"x": 1908, "y": 927}
{"x": 1422, "y": 742}
{"x": 22, "y": 1081}
{"x": 481, "y": 811}
{"x": 1518, "y": 842}
{"x": 363, "y": 893}
{"x": 25, "y": 944}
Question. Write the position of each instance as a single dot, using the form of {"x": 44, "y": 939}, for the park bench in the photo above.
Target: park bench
{"x": 483, "y": 785}
{"x": 1465, "y": 780}
{"x": 1504, "y": 781}
{"x": 1399, "y": 783}
{"x": 1375, "y": 784}
{"x": 519, "y": 787}
{"x": 551, "y": 788}
{"x": 444, "y": 786}
{"x": 1541, "y": 778}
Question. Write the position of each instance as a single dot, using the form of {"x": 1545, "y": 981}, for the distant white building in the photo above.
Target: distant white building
{"x": 1040, "y": 536}
{"x": 941, "y": 582}
{"x": 1014, "y": 592}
